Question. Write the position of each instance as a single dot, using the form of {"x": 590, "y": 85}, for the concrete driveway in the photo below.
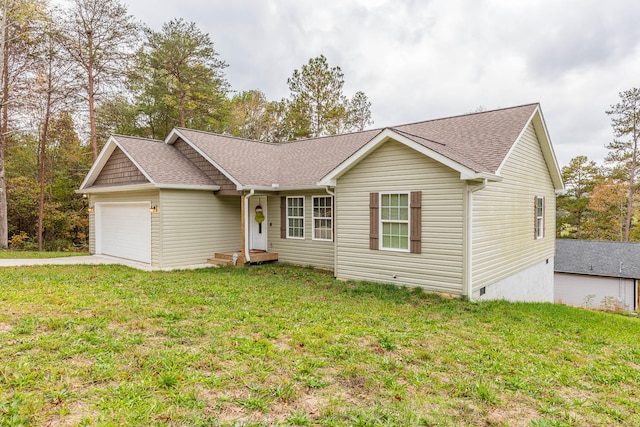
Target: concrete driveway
{"x": 75, "y": 260}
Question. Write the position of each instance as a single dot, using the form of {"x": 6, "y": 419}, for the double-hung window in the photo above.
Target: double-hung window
{"x": 323, "y": 218}
{"x": 394, "y": 221}
{"x": 539, "y": 217}
{"x": 295, "y": 217}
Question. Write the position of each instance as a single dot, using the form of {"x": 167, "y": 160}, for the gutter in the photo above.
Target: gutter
{"x": 468, "y": 240}
{"x": 247, "y": 258}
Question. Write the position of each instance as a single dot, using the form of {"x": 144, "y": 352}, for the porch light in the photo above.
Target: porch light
{"x": 90, "y": 209}
{"x": 153, "y": 209}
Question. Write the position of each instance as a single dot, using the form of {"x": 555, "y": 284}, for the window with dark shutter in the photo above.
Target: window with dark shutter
{"x": 374, "y": 218}
{"x": 416, "y": 222}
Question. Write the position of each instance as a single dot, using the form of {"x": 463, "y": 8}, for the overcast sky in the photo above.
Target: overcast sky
{"x": 425, "y": 59}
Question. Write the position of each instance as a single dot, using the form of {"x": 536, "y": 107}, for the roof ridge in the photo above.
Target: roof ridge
{"x": 231, "y": 136}
{"x": 418, "y": 136}
{"x": 114, "y": 135}
{"x": 468, "y": 114}
{"x": 470, "y": 162}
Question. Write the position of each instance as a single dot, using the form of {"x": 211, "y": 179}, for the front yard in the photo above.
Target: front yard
{"x": 267, "y": 345}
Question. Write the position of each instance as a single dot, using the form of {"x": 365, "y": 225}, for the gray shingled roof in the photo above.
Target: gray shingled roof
{"x": 163, "y": 163}
{"x": 479, "y": 141}
{"x": 595, "y": 258}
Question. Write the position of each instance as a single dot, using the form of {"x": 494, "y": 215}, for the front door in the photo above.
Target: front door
{"x": 258, "y": 223}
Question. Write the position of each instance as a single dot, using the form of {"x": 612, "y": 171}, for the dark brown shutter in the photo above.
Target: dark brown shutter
{"x": 283, "y": 217}
{"x": 415, "y": 221}
{"x": 535, "y": 217}
{"x": 374, "y": 220}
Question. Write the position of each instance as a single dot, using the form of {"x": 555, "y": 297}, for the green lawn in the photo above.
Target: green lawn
{"x": 278, "y": 345}
{"x": 9, "y": 254}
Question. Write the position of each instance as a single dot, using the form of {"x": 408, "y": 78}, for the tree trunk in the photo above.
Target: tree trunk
{"x": 4, "y": 72}
{"x": 42, "y": 154}
{"x": 632, "y": 179}
{"x": 92, "y": 112}
{"x": 41, "y": 160}
{"x": 181, "y": 109}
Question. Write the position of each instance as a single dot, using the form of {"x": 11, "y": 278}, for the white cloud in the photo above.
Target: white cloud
{"x": 418, "y": 60}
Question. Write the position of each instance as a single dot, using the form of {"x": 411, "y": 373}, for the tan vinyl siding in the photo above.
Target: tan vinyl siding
{"x": 305, "y": 251}
{"x": 119, "y": 170}
{"x": 226, "y": 186}
{"x": 196, "y": 224}
{"x": 151, "y": 196}
{"x": 503, "y": 216}
{"x": 396, "y": 168}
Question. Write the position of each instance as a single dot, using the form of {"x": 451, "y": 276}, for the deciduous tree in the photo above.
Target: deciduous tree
{"x": 608, "y": 211}
{"x": 100, "y": 36}
{"x": 53, "y": 92}
{"x": 18, "y": 19}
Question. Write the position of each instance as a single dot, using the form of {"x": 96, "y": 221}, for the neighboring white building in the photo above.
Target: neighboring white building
{"x": 462, "y": 205}
{"x": 594, "y": 274}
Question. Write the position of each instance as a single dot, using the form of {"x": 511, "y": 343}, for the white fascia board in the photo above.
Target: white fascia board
{"x": 389, "y": 134}
{"x": 547, "y": 149}
{"x": 480, "y": 176}
{"x": 149, "y": 186}
{"x": 537, "y": 119}
{"x": 117, "y": 188}
{"x": 101, "y": 160}
{"x": 276, "y": 189}
{"x": 175, "y": 134}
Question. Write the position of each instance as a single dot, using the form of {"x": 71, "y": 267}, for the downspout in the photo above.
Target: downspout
{"x": 247, "y": 258}
{"x": 335, "y": 252}
{"x": 468, "y": 238}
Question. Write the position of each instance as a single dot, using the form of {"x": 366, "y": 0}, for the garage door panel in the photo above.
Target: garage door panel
{"x": 124, "y": 230}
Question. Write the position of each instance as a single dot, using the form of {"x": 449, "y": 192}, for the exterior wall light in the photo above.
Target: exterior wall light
{"x": 153, "y": 209}
{"x": 90, "y": 209}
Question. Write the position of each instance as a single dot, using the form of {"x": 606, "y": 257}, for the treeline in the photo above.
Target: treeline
{"x": 601, "y": 201}
{"x": 73, "y": 75}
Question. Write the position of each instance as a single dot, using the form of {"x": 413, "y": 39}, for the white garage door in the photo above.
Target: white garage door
{"x": 124, "y": 230}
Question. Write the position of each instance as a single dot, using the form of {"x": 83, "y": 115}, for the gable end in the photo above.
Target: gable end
{"x": 119, "y": 169}
{"x": 227, "y": 188}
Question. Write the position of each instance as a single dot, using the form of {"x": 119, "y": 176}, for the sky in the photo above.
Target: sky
{"x": 424, "y": 59}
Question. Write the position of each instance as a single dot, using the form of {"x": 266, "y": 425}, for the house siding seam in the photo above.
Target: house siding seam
{"x": 195, "y": 225}
{"x": 119, "y": 170}
{"x": 503, "y": 221}
{"x": 394, "y": 167}
{"x": 227, "y": 188}
{"x": 317, "y": 253}
{"x": 152, "y": 196}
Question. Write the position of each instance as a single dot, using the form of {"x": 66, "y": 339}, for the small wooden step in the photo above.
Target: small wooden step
{"x": 227, "y": 258}
{"x": 220, "y": 262}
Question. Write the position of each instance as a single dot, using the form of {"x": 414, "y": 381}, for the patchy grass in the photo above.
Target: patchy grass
{"x": 280, "y": 345}
{"x": 11, "y": 254}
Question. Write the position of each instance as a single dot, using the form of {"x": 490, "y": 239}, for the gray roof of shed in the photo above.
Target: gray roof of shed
{"x": 597, "y": 258}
